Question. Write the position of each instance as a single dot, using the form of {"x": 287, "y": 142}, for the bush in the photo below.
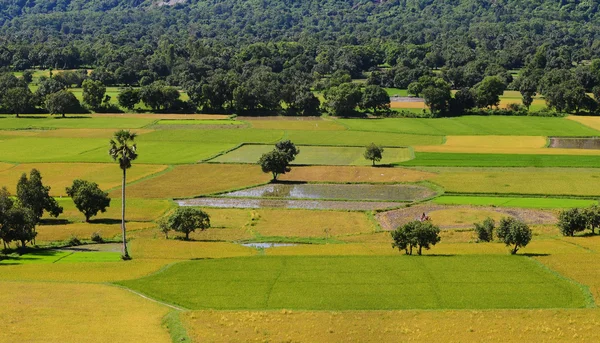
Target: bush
{"x": 485, "y": 230}
{"x": 571, "y": 221}
{"x": 74, "y": 241}
{"x": 97, "y": 238}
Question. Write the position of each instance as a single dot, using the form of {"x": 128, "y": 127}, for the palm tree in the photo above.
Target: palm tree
{"x": 122, "y": 151}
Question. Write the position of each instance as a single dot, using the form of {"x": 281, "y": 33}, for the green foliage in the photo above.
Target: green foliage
{"x": 288, "y": 148}
{"x": 485, "y": 230}
{"x": 160, "y": 97}
{"x": 513, "y": 232}
{"x": 592, "y": 215}
{"x": 18, "y": 100}
{"x": 415, "y": 234}
{"x": 123, "y": 148}
{"x": 19, "y": 225}
{"x": 571, "y": 221}
{"x": 373, "y": 153}
{"x": 33, "y": 195}
{"x": 88, "y": 198}
{"x": 342, "y": 100}
{"x": 375, "y": 98}
{"x": 62, "y": 102}
{"x": 488, "y": 92}
{"x": 275, "y": 162}
{"x": 129, "y": 97}
{"x": 187, "y": 220}
{"x": 93, "y": 93}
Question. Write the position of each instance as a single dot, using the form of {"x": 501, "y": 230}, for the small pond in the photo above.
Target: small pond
{"x": 575, "y": 142}
{"x": 267, "y": 245}
{"x": 280, "y": 203}
{"x": 336, "y": 191}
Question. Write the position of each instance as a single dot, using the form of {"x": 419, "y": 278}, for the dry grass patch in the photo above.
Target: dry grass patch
{"x": 61, "y": 175}
{"x": 355, "y": 174}
{"x": 49, "y": 233}
{"x": 462, "y": 216}
{"x": 408, "y": 104}
{"x": 173, "y": 249}
{"x": 394, "y": 326}
{"x": 582, "y": 267}
{"x": 590, "y": 121}
{"x": 312, "y": 125}
{"x": 568, "y": 181}
{"x": 5, "y": 166}
{"x": 192, "y": 180}
{"x": 55, "y": 312}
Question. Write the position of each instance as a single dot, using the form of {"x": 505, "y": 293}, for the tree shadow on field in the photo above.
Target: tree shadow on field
{"x": 106, "y": 221}
{"x": 533, "y": 254}
{"x": 53, "y": 221}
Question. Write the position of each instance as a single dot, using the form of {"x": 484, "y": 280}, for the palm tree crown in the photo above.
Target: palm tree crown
{"x": 121, "y": 150}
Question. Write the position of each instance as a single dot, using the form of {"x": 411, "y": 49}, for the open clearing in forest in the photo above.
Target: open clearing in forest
{"x": 61, "y": 175}
{"x": 362, "y": 283}
{"x": 475, "y": 125}
{"x": 67, "y": 312}
{"x": 317, "y": 155}
{"x": 513, "y": 201}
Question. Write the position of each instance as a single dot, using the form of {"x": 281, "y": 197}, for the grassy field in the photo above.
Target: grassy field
{"x": 354, "y": 138}
{"x": 514, "y": 201}
{"x": 138, "y": 209}
{"x": 354, "y": 174}
{"x": 72, "y": 122}
{"x": 548, "y": 181}
{"x": 322, "y": 283}
{"x": 436, "y": 159}
{"x": 291, "y": 124}
{"x": 475, "y": 125}
{"x": 199, "y": 122}
{"x": 316, "y": 155}
{"x": 56, "y": 256}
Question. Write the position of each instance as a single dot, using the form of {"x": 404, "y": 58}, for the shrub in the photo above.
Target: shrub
{"x": 485, "y": 230}
{"x": 96, "y": 237}
{"x": 74, "y": 241}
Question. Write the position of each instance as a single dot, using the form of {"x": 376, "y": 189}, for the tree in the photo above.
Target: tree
{"x": 128, "y": 98}
{"x": 288, "y": 148}
{"x": 88, "y": 198}
{"x": 437, "y": 99}
{"x": 20, "y": 224}
{"x": 571, "y": 221}
{"x": 464, "y": 99}
{"x": 375, "y": 98}
{"x": 124, "y": 150}
{"x": 188, "y": 220}
{"x": 48, "y": 86}
{"x": 415, "y": 234}
{"x": 485, "y": 230}
{"x": 32, "y": 194}
{"x": 62, "y": 102}
{"x": 163, "y": 226}
{"x": 6, "y": 203}
{"x": 18, "y": 100}
{"x": 343, "y": 99}
{"x": 275, "y": 162}
{"x": 93, "y": 93}
{"x": 373, "y": 152}
{"x": 488, "y": 91}
{"x": 592, "y": 215}
{"x": 528, "y": 89}
{"x": 514, "y": 232}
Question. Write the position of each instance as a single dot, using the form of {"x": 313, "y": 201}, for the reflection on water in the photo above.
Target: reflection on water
{"x": 575, "y": 143}
{"x": 331, "y": 191}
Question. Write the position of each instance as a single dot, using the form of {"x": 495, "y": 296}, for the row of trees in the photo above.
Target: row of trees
{"x": 510, "y": 231}
{"x": 576, "y": 220}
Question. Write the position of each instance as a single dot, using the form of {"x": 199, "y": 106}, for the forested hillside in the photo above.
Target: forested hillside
{"x": 187, "y": 42}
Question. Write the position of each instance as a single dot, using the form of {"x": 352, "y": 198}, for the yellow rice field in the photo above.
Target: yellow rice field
{"x": 66, "y": 312}
{"x": 394, "y": 326}
{"x": 462, "y": 216}
{"x": 593, "y": 122}
{"x": 408, "y": 104}
{"x": 174, "y": 250}
{"x": 61, "y": 175}
{"x": 49, "y": 233}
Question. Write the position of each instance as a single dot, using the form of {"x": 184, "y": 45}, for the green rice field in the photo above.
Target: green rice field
{"x": 513, "y": 201}
{"x": 361, "y": 283}
{"x": 437, "y": 159}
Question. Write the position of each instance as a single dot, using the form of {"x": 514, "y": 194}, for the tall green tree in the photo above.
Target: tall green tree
{"x": 128, "y": 98}
{"x": 6, "y": 203}
{"x": 343, "y": 99}
{"x": 18, "y": 100}
{"x": 488, "y": 91}
{"x": 20, "y": 223}
{"x": 88, "y": 198}
{"x": 188, "y": 220}
{"x": 62, "y": 102}
{"x": 124, "y": 150}
{"x": 375, "y": 98}
{"x": 93, "y": 93}
{"x": 415, "y": 234}
{"x": 373, "y": 152}
{"x": 513, "y": 232}
{"x": 32, "y": 194}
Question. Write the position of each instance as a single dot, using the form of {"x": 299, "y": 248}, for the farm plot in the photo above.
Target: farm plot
{"x": 316, "y": 155}
{"x": 61, "y": 256}
{"x": 513, "y": 201}
{"x": 555, "y": 181}
{"x": 355, "y": 138}
{"x": 186, "y": 181}
{"x": 61, "y": 175}
{"x": 475, "y": 125}
{"x": 83, "y": 231}
{"x": 332, "y": 191}
{"x": 200, "y": 122}
{"x": 137, "y": 210}
{"x": 542, "y": 160}
{"x": 354, "y": 174}
{"x": 62, "y": 312}
{"x": 460, "y": 216}
{"x": 96, "y": 122}
{"x": 316, "y": 124}
{"x": 289, "y": 204}
{"x": 378, "y": 282}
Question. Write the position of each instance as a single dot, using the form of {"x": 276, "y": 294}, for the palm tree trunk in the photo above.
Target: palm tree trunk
{"x": 125, "y": 253}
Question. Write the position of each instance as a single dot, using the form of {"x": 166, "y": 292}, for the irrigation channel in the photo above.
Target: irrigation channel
{"x": 317, "y": 196}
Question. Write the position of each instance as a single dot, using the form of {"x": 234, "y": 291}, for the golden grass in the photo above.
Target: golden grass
{"x": 408, "y": 104}
{"x": 61, "y": 175}
{"x": 135, "y": 210}
{"x": 5, "y": 166}
{"x": 49, "y": 233}
{"x": 56, "y": 312}
{"x": 582, "y": 267}
{"x": 520, "y": 180}
{"x": 158, "y": 116}
{"x": 312, "y": 125}
{"x": 355, "y": 174}
{"x": 504, "y": 102}
{"x": 83, "y": 272}
{"x": 192, "y": 180}
{"x": 394, "y": 326}
{"x": 462, "y": 216}
{"x": 304, "y": 223}
{"x": 173, "y": 249}
{"x": 593, "y": 122}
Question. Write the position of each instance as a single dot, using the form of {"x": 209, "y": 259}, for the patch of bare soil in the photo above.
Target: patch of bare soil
{"x": 390, "y": 220}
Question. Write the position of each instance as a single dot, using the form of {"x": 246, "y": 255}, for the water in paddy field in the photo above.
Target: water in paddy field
{"x": 282, "y": 203}
{"x": 592, "y": 143}
{"x": 267, "y": 245}
{"x": 330, "y": 191}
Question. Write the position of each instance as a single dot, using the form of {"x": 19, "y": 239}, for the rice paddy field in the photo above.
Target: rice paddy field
{"x": 308, "y": 258}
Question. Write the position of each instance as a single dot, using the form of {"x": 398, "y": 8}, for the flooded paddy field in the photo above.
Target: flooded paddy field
{"x": 592, "y": 143}
{"x": 292, "y": 204}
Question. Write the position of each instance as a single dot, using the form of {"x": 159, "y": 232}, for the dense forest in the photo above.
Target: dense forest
{"x": 226, "y": 45}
